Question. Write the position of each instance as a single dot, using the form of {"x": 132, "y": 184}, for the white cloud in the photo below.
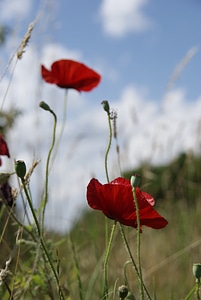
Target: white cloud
{"x": 121, "y": 17}
{"x": 156, "y": 133}
{"x": 52, "y": 52}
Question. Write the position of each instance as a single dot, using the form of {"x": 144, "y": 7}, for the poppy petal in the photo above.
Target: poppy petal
{"x": 71, "y": 74}
{"x": 47, "y": 75}
{"x": 3, "y": 147}
{"x": 93, "y": 189}
{"x": 115, "y": 200}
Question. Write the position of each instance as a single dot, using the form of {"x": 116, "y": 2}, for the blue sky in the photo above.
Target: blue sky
{"x": 141, "y": 56}
{"x": 137, "y": 46}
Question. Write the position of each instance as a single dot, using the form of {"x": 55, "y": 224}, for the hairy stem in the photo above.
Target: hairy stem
{"x": 42, "y": 241}
{"x": 132, "y": 260}
{"x": 47, "y": 169}
{"x": 138, "y": 243}
{"x": 105, "y": 291}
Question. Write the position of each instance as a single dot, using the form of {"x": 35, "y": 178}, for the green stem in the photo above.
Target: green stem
{"x": 20, "y": 224}
{"x": 106, "y": 219}
{"x": 191, "y": 293}
{"x": 106, "y": 169}
{"x": 77, "y": 267}
{"x": 197, "y": 291}
{"x": 63, "y": 124}
{"x": 47, "y": 169}
{"x": 138, "y": 243}
{"x": 132, "y": 260}
{"x": 105, "y": 292}
{"x": 43, "y": 244}
{"x": 108, "y": 147}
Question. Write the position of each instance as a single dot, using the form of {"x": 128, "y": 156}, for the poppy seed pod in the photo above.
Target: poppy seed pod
{"x": 20, "y": 168}
{"x": 197, "y": 271}
{"x": 123, "y": 291}
{"x": 135, "y": 180}
{"x": 106, "y": 106}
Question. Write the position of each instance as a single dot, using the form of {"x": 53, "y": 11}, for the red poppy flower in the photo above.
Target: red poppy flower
{"x": 115, "y": 200}
{"x": 3, "y": 148}
{"x": 70, "y": 74}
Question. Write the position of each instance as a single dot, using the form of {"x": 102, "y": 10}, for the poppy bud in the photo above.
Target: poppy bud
{"x": 197, "y": 271}
{"x": 20, "y": 168}
{"x": 123, "y": 291}
{"x": 106, "y": 106}
{"x": 135, "y": 180}
{"x": 44, "y": 106}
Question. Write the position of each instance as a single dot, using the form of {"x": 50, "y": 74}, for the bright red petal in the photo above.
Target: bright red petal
{"x": 148, "y": 215}
{"x": 144, "y": 198}
{"x": 3, "y": 147}
{"x": 71, "y": 74}
{"x": 110, "y": 199}
{"x": 93, "y": 194}
{"x": 151, "y": 218}
{"x": 116, "y": 202}
{"x": 47, "y": 75}
{"x": 121, "y": 181}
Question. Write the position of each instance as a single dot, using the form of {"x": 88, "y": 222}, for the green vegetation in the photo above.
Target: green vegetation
{"x": 167, "y": 255}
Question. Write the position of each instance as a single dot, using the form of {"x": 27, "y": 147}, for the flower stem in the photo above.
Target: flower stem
{"x": 108, "y": 147}
{"x": 106, "y": 220}
{"x": 42, "y": 242}
{"x": 47, "y": 168}
{"x": 133, "y": 261}
{"x": 138, "y": 243}
{"x": 105, "y": 291}
{"x": 197, "y": 290}
{"x": 77, "y": 267}
{"x": 63, "y": 124}
{"x": 191, "y": 293}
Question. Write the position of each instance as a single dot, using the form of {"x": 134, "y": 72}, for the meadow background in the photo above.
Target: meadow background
{"x": 151, "y": 70}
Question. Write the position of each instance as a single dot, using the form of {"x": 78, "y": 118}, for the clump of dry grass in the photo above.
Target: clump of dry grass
{"x": 25, "y": 40}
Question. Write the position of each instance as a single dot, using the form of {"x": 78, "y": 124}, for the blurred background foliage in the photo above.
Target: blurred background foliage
{"x": 4, "y": 31}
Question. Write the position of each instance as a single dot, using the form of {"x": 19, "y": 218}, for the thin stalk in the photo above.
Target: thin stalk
{"x": 106, "y": 219}
{"x": 108, "y": 147}
{"x": 106, "y": 168}
{"x": 197, "y": 290}
{"x": 47, "y": 168}
{"x": 132, "y": 259}
{"x": 105, "y": 288}
{"x": 191, "y": 293}
{"x": 77, "y": 267}
{"x": 43, "y": 244}
{"x": 20, "y": 224}
{"x": 63, "y": 124}
{"x": 138, "y": 243}
{"x": 9, "y": 290}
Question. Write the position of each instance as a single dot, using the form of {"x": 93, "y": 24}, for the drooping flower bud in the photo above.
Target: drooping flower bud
{"x": 106, "y": 106}
{"x": 44, "y": 106}
{"x": 197, "y": 271}
{"x": 123, "y": 291}
{"x": 135, "y": 180}
{"x": 20, "y": 168}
